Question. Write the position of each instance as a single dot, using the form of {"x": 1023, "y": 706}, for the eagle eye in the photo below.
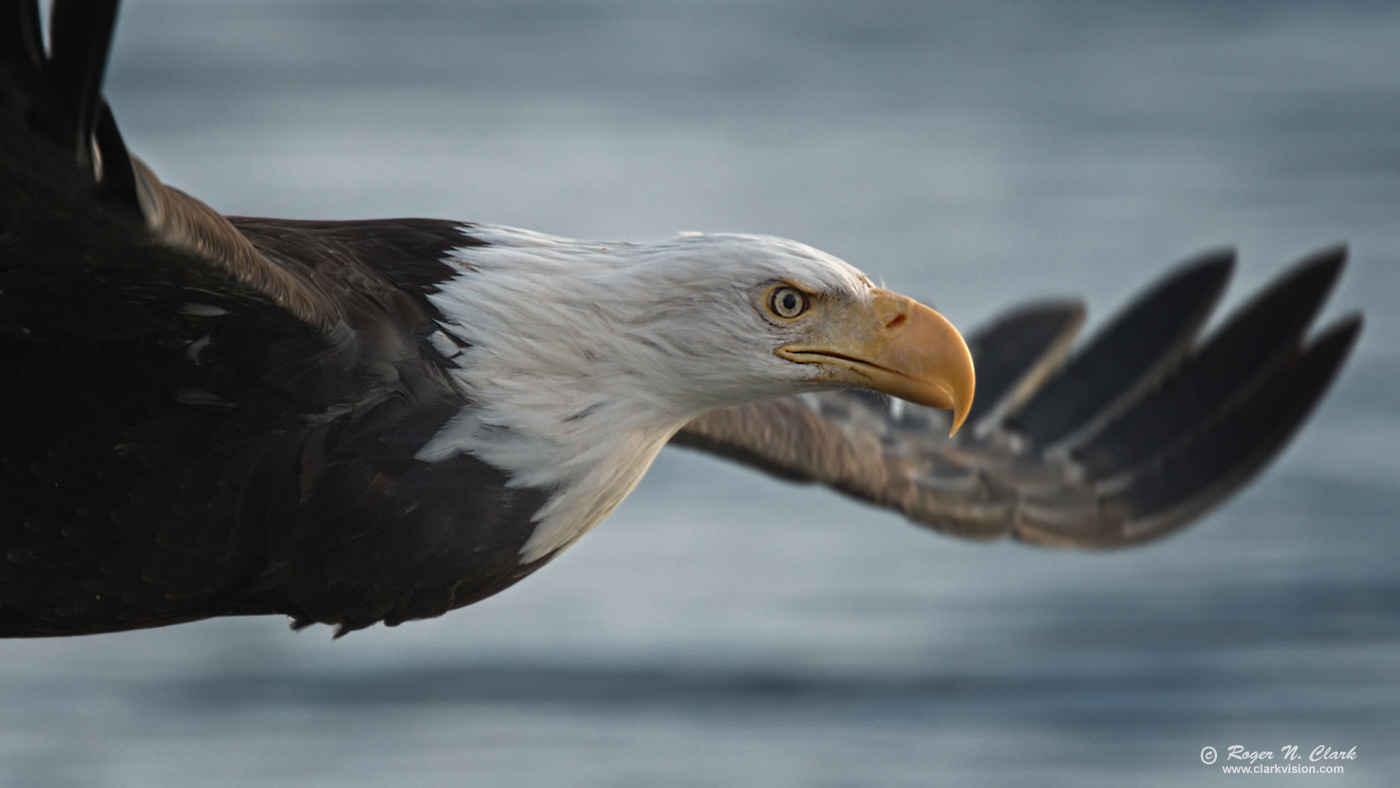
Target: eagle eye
{"x": 787, "y": 302}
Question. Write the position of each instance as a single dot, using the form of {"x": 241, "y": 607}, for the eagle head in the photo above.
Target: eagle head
{"x": 578, "y": 360}
{"x": 692, "y": 323}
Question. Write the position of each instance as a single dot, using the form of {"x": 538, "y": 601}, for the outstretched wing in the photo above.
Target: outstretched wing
{"x": 74, "y": 204}
{"x": 1139, "y": 432}
{"x": 207, "y": 416}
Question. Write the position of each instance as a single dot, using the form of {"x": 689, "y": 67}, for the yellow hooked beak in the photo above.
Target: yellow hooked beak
{"x": 894, "y": 345}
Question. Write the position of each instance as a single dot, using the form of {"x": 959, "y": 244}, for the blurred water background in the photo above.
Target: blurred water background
{"x": 721, "y": 628}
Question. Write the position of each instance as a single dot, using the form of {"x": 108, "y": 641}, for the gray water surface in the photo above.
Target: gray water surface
{"x": 724, "y": 629}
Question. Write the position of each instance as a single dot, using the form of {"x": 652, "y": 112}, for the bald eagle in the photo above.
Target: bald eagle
{"x": 354, "y": 422}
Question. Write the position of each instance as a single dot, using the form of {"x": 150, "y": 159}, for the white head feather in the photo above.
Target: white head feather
{"x": 593, "y": 354}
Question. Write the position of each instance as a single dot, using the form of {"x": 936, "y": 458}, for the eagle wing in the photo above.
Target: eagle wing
{"x": 204, "y": 415}
{"x": 1138, "y": 432}
{"x": 76, "y": 203}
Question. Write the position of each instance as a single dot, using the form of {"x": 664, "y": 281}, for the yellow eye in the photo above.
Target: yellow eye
{"x": 787, "y": 302}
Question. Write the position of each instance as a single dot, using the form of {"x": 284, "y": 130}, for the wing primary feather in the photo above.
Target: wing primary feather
{"x": 21, "y": 45}
{"x": 1249, "y": 346}
{"x": 118, "y": 178}
{"x": 1015, "y": 351}
{"x": 1215, "y": 462}
{"x": 1142, "y": 344}
{"x": 80, "y": 34}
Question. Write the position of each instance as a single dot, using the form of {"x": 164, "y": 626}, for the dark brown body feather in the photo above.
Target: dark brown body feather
{"x": 164, "y": 463}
